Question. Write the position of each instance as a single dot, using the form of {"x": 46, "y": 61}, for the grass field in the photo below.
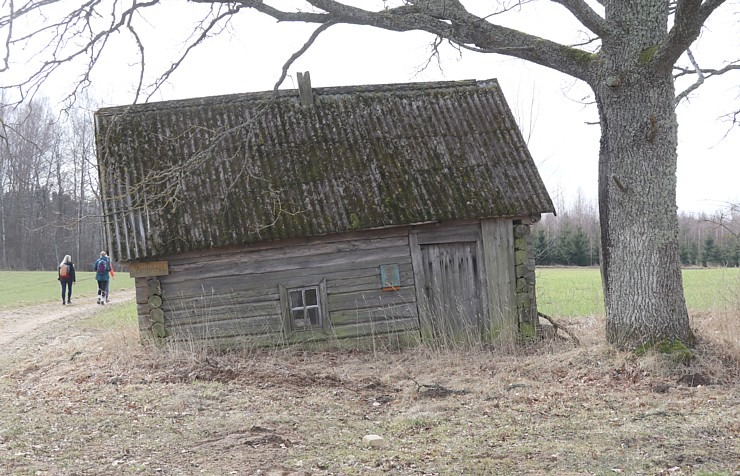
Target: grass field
{"x": 562, "y": 292}
{"x": 572, "y": 292}
{"x": 26, "y": 288}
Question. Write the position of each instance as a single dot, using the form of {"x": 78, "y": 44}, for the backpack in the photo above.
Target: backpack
{"x": 102, "y": 268}
{"x": 64, "y": 271}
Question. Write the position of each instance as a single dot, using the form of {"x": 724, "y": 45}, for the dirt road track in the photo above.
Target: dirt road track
{"x": 18, "y": 323}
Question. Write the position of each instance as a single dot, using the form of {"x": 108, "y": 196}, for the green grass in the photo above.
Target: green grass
{"x": 26, "y": 288}
{"x": 115, "y": 317}
{"x": 570, "y": 292}
{"x": 564, "y": 292}
{"x": 712, "y": 288}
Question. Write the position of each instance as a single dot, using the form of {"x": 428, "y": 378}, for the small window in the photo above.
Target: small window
{"x": 390, "y": 277}
{"x": 305, "y": 312}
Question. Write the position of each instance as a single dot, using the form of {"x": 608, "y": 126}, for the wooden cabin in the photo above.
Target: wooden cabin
{"x": 321, "y": 214}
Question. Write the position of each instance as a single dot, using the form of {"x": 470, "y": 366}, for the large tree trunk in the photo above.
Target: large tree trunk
{"x": 641, "y": 270}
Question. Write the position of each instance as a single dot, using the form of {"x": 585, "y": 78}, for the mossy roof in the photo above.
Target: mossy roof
{"x": 184, "y": 175}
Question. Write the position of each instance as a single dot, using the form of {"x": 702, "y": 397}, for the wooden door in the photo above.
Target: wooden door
{"x": 452, "y": 289}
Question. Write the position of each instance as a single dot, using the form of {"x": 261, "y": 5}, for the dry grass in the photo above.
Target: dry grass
{"x": 91, "y": 400}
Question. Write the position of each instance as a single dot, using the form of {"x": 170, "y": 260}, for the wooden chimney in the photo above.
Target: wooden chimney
{"x": 304, "y": 89}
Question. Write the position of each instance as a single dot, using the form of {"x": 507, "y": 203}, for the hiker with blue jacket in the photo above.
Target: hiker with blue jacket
{"x": 102, "y": 275}
{"x": 66, "y": 272}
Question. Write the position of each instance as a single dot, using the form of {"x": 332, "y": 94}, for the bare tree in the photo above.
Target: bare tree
{"x": 83, "y": 170}
{"x": 28, "y": 157}
{"x": 45, "y": 211}
{"x": 628, "y": 58}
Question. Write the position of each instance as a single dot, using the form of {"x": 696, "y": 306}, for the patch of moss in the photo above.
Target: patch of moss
{"x": 580, "y": 56}
{"x": 528, "y": 331}
{"x": 674, "y": 348}
{"x": 354, "y": 221}
{"x": 158, "y": 329}
{"x": 647, "y": 54}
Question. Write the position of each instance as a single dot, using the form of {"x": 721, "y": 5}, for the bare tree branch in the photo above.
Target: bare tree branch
{"x": 73, "y": 26}
{"x": 587, "y": 16}
{"x": 699, "y": 79}
{"x": 724, "y": 219}
{"x": 300, "y": 52}
{"x": 707, "y": 72}
{"x": 8, "y": 38}
{"x": 689, "y": 18}
{"x": 701, "y": 74}
{"x": 443, "y": 18}
{"x": 142, "y": 67}
{"x": 198, "y": 40}
{"x": 449, "y": 19}
{"x": 505, "y": 7}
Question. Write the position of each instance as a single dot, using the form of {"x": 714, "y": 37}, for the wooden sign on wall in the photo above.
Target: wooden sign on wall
{"x": 148, "y": 269}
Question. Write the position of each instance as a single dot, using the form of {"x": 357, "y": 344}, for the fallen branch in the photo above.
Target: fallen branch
{"x": 434, "y": 389}
{"x": 557, "y": 326}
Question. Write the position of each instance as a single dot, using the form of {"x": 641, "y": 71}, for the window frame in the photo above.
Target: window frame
{"x": 287, "y": 309}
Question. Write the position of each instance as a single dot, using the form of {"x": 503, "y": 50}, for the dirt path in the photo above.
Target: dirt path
{"x": 16, "y": 324}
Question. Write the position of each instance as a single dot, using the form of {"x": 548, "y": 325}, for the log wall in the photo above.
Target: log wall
{"x": 239, "y": 293}
{"x": 235, "y": 293}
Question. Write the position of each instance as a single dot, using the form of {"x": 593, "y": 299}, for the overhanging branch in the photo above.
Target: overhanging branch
{"x": 699, "y": 79}
{"x": 689, "y": 18}
{"x": 702, "y": 74}
{"x": 587, "y": 16}
{"x": 301, "y": 51}
{"x": 448, "y": 19}
{"x": 74, "y": 35}
{"x": 200, "y": 38}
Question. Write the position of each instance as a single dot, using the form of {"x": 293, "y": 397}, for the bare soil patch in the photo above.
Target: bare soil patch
{"x": 80, "y": 400}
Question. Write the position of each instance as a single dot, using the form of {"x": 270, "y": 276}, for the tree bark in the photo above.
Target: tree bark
{"x": 641, "y": 271}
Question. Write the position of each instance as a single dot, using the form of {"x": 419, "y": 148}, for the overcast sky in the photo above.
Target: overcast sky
{"x": 549, "y": 106}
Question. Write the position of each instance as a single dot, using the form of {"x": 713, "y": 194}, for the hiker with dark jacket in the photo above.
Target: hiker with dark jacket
{"x": 107, "y": 283}
{"x": 66, "y": 273}
{"x": 102, "y": 270}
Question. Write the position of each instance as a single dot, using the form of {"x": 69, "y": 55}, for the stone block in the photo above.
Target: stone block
{"x": 374, "y": 441}
{"x": 521, "y": 231}
{"x": 522, "y": 286}
{"x": 521, "y": 257}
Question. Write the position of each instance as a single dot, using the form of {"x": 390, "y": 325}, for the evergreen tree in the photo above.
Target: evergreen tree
{"x": 709, "y": 253}
{"x": 730, "y": 252}
{"x": 578, "y": 248}
{"x": 543, "y": 248}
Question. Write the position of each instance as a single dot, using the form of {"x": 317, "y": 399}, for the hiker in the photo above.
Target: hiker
{"x": 107, "y": 283}
{"x": 102, "y": 270}
{"x": 66, "y": 272}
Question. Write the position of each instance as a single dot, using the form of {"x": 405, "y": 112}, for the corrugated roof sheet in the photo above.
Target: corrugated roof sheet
{"x": 184, "y": 175}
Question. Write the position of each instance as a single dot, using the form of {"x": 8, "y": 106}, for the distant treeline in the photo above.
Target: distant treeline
{"x": 49, "y": 204}
{"x": 573, "y": 237}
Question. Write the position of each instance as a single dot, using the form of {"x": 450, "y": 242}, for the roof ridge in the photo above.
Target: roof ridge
{"x": 257, "y": 96}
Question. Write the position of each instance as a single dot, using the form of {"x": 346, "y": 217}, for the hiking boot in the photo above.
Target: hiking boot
{"x": 69, "y": 302}
{"x": 62, "y": 302}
